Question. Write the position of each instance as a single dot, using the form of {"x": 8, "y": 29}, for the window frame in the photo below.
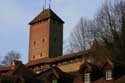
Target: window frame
{"x": 87, "y": 78}
{"x": 108, "y": 74}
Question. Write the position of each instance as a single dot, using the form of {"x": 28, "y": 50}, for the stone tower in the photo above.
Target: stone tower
{"x": 46, "y": 36}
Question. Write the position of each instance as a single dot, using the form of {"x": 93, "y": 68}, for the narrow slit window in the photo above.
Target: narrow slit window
{"x": 41, "y": 54}
{"x": 43, "y": 40}
{"x": 34, "y": 42}
{"x": 33, "y": 57}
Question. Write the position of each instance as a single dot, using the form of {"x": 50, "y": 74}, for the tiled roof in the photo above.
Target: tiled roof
{"x": 19, "y": 73}
{"x": 21, "y": 69}
{"x": 4, "y": 69}
{"x": 56, "y": 73}
{"x": 18, "y": 69}
{"x": 55, "y": 70}
{"x": 98, "y": 76}
{"x": 44, "y": 15}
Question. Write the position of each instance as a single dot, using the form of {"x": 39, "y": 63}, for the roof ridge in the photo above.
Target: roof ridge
{"x": 44, "y": 15}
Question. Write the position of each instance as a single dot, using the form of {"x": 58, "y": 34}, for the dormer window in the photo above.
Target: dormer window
{"x": 87, "y": 78}
{"x": 108, "y": 75}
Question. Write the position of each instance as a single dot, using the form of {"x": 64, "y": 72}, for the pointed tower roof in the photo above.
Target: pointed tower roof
{"x": 44, "y": 15}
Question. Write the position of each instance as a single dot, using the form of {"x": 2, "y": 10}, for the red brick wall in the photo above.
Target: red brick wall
{"x": 39, "y": 40}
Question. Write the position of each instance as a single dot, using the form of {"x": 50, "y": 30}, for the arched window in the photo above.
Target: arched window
{"x": 87, "y": 78}
{"x": 108, "y": 75}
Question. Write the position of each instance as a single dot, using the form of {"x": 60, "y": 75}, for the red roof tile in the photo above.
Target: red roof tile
{"x": 44, "y": 15}
{"x": 5, "y": 68}
{"x": 21, "y": 69}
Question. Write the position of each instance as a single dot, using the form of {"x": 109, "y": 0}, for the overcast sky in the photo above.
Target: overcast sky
{"x": 16, "y": 14}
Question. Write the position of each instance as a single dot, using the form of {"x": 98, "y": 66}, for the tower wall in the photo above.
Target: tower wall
{"x": 39, "y": 40}
{"x": 56, "y": 38}
{"x": 46, "y": 36}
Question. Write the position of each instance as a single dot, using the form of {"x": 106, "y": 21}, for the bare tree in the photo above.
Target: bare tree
{"x": 10, "y": 57}
{"x": 110, "y": 22}
{"x": 108, "y": 26}
{"x": 80, "y": 37}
